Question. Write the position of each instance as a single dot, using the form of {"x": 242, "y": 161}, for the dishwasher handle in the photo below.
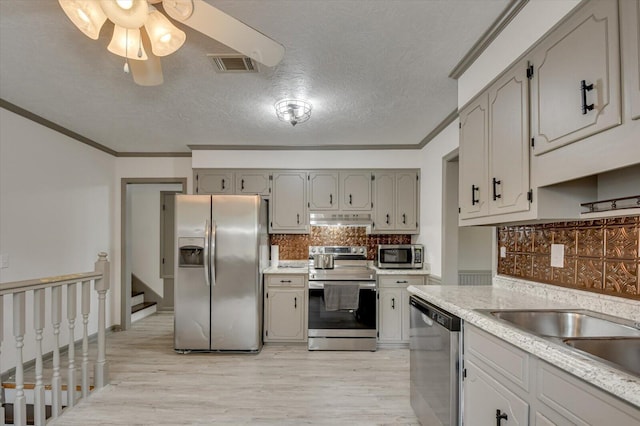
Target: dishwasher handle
{"x": 444, "y": 318}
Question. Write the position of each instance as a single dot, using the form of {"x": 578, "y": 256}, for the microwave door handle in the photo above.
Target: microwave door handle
{"x": 206, "y": 253}
{"x": 213, "y": 254}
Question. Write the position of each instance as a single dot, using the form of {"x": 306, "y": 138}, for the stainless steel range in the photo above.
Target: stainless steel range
{"x": 342, "y": 299}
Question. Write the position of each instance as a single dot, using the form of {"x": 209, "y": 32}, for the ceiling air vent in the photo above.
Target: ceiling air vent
{"x": 233, "y": 63}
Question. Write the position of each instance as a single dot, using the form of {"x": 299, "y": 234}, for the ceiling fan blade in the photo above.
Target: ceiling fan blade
{"x": 149, "y": 72}
{"x": 226, "y": 29}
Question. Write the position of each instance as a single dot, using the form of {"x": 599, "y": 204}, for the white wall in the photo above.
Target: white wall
{"x": 431, "y": 194}
{"x": 475, "y": 248}
{"x": 56, "y": 197}
{"x": 531, "y": 23}
{"x": 145, "y": 233}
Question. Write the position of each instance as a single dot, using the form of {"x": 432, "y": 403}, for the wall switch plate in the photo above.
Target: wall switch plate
{"x": 503, "y": 251}
{"x": 4, "y": 261}
{"x": 557, "y": 255}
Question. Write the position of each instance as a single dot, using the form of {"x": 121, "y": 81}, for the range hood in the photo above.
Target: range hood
{"x": 340, "y": 219}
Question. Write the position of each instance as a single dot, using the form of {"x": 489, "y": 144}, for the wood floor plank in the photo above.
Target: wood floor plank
{"x": 152, "y": 385}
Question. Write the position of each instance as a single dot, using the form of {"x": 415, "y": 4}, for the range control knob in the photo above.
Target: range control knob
{"x": 361, "y": 249}
{"x": 313, "y": 250}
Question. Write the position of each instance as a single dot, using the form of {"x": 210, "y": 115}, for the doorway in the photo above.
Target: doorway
{"x": 143, "y": 241}
{"x": 468, "y": 252}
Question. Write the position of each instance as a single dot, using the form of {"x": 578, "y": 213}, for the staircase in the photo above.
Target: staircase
{"x": 139, "y": 308}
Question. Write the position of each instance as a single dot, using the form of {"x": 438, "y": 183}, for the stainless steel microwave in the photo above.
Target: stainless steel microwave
{"x": 402, "y": 256}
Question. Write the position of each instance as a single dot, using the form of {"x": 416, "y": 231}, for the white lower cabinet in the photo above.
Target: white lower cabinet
{"x": 488, "y": 402}
{"x": 528, "y": 390}
{"x": 393, "y": 307}
{"x": 285, "y": 313}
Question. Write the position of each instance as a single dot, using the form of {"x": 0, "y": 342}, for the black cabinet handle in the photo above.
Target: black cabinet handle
{"x": 404, "y": 218}
{"x": 473, "y": 194}
{"x": 393, "y": 303}
{"x": 285, "y": 281}
{"x": 350, "y": 199}
{"x": 223, "y": 184}
{"x": 584, "y": 88}
{"x": 298, "y": 218}
{"x": 500, "y": 417}
{"x": 295, "y": 303}
{"x": 496, "y": 182}
{"x": 387, "y": 219}
{"x": 402, "y": 282}
{"x": 330, "y": 199}
{"x": 242, "y": 185}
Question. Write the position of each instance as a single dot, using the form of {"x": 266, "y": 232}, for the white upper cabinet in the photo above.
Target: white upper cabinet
{"x": 494, "y": 148}
{"x": 576, "y": 78}
{"x": 252, "y": 182}
{"x": 323, "y": 190}
{"x": 383, "y": 202}
{"x": 213, "y": 182}
{"x": 630, "y": 30}
{"x": 355, "y": 190}
{"x": 396, "y": 200}
{"x": 407, "y": 190}
{"x": 288, "y": 206}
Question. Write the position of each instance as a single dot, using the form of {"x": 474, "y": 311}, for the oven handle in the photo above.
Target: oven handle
{"x": 319, "y": 285}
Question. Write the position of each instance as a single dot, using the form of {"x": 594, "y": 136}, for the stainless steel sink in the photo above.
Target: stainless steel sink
{"x": 623, "y": 352}
{"x": 567, "y": 323}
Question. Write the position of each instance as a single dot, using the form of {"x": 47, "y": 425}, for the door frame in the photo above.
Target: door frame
{"x": 125, "y": 286}
{"x": 450, "y": 204}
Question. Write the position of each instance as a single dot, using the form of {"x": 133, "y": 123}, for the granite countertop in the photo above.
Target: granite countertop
{"x": 508, "y": 293}
{"x": 399, "y": 271}
{"x": 302, "y": 267}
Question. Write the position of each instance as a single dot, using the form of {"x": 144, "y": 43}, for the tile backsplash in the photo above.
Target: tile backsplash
{"x": 296, "y": 246}
{"x": 600, "y": 256}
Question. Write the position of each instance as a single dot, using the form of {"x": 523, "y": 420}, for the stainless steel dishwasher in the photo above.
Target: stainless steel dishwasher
{"x": 435, "y": 347}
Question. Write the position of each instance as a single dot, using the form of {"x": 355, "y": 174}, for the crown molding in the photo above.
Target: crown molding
{"x": 439, "y": 128}
{"x": 512, "y": 9}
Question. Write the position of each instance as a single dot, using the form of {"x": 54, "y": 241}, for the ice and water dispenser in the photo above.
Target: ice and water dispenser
{"x": 191, "y": 252}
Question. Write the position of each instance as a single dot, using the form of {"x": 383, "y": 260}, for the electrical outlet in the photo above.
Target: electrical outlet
{"x": 557, "y": 255}
{"x": 4, "y": 261}
{"x": 503, "y": 251}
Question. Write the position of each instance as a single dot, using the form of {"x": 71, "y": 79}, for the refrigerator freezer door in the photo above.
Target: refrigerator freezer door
{"x": 192, "y": 329}
{"x": 236, "y": 307}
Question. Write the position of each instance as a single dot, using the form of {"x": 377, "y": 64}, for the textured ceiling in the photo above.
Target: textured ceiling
{"x": 375, "y": 72}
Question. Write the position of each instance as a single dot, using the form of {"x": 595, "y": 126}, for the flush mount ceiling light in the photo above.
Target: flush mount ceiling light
{"x": 142, "y": 34}
{"x": 293, "y": 111}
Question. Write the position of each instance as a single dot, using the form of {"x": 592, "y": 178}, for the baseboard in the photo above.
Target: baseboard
{"x": 435, "y": 280}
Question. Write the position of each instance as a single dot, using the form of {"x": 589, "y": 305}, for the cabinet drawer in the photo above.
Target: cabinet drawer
{"x": 400, "y": 280}
{"x": 507, "y": 360}
{"x": 286, "y": 280}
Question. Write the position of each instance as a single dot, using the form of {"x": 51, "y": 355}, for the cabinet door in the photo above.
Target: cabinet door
{"x": 214, "y": 182}
{"x": 473, "y": 191}
{"x": 285, "y": 314}
{"x": 484, "y": 396}
{"x": 253, "y": 182}
{"x": 585, "y": 49}
{"x": 383, "y": 203}
{"x": 630, "y": 30}
{"x": 406, "y": 201}
{"x": 509, "y": 142}
{"x": 390, "y": 314}
{"x": 355, "y": 190}
{"x": 323, "y": 190}
{"x": 288, "y": 204}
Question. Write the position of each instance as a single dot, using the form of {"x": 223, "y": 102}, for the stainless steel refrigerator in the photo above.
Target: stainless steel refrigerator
{"x": 221, "y": 250}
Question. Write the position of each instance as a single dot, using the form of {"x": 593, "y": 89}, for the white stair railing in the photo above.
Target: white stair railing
{"x": 18, "y": 290}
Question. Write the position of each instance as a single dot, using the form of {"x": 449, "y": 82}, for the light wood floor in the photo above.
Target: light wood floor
{"x": 151, "y": 385}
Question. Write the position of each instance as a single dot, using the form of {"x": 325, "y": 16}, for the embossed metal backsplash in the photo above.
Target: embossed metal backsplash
{"x": 601, "y": 256}
{"x": 296, "y": 246}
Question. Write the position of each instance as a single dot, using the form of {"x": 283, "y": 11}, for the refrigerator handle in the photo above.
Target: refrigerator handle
{"x": 206, "y": 253}
{"x": 213, "y": 254}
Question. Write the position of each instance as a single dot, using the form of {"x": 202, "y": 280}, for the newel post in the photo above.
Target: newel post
{"x": 101, "y": 375}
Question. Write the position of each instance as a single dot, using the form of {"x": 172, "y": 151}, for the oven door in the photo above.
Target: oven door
{"x": 332, "y": 321}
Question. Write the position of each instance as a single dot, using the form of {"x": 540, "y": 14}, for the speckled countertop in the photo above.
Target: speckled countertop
{"x": 508, "y": 293}
{"x": 399, "y": 271}
{"x": 301, "y": 267}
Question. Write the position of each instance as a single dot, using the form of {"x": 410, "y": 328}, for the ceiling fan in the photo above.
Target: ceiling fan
{"x": 142, "y": 34}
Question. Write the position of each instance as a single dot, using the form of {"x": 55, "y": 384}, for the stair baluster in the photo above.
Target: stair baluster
{"x": 101, "y": 285}
{"x": 20, "y": 403}
{"x": 71, "y": 317}
{"x": 38, "y": 325}
{"x": 56, "y": 380}
{"x": 86, "y": 308}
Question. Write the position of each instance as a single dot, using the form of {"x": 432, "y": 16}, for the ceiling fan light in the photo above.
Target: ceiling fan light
{"x": 293, "y": 111}
{"x": 165, "y": 37}
{"x": 86, "y": 15}
{"x": 127, "y": 43}
{"x": 134, "y": 17}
